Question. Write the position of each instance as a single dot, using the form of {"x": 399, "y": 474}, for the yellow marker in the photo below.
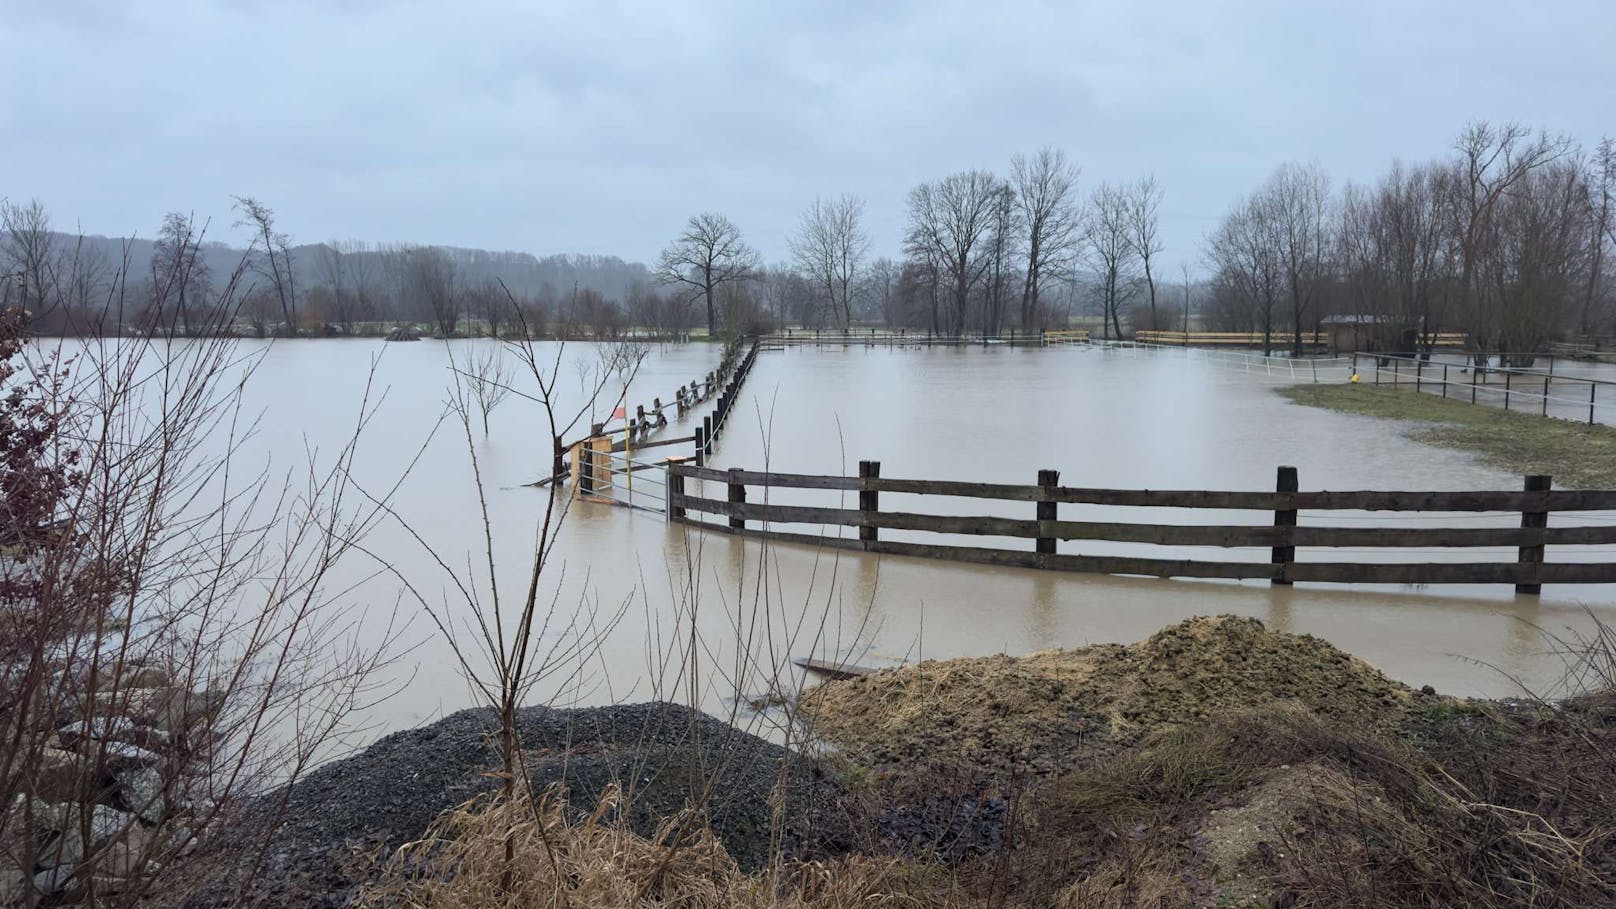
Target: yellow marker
{"x": 1355, "y": 378}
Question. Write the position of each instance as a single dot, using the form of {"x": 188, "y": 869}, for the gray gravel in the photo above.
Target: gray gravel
{"x": 388, "y": 794}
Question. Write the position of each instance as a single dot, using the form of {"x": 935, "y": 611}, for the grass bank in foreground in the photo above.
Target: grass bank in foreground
{"x": 1575, "y": 454}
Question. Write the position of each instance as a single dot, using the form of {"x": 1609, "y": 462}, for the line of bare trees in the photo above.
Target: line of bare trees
{"x": 981, "y": 253}
{"x": 338, "y": 288}
{"x": 1507, "y": 237}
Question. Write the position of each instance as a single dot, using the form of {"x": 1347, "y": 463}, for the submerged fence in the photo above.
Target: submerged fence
{"x": 745, "y": 510}
{"x": 1547, "y": 393}
{"x": 1288, "y": 369}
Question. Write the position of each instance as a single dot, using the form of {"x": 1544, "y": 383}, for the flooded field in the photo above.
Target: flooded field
{"x": 994, "y": 414}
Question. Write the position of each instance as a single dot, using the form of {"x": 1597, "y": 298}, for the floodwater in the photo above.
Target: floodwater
{"x": 988, "y": 414}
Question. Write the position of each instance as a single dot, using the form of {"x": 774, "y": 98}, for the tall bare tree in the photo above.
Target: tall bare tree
{"x": 1295, "y": 202}
{"x": 1492, "y": 161}
{"x": 1109, "y": 248}
{"x": 1244, "y": 251}
{"x": 1143, "y": 199}
{"x": 276, "y": 261}
{"x": 707, "y": 255}
{"x": 179, "y": 274}
{"x": 950, "y": 222}
{"x": 1601, "y": 204}
{"x": 431, "y": 274}
{"x": 829, "y": 247}
{"x": 1046, "y": 197}
{"x": 28, "y": 254}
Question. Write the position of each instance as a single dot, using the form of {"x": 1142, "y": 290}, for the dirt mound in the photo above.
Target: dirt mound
{"x": 1036, "y": 714}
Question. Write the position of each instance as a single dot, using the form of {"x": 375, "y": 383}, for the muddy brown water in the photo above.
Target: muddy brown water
{"x": 994, "y": 414}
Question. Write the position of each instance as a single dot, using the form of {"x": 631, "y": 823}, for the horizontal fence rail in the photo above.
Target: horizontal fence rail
{"x": 1534, "y": 503}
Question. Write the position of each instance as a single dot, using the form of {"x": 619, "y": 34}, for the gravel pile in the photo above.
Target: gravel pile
{"x": 662, "y": 754}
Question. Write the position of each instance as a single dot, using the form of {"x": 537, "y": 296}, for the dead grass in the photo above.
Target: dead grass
{"x": 1039, "y": 713}
{"x": 1280, "y": 807}
{"x": 598, "y": 862}
{"x": 1575, "y": 454}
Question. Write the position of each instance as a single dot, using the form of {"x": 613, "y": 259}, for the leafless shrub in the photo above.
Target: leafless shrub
{"x": 172, "y": 653}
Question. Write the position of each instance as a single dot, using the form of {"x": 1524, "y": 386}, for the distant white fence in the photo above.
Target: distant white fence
{"x": 1281, "y": 369}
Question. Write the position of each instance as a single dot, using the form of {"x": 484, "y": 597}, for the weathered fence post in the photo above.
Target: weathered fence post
{"x": 1546, "y": 394}
{"x": 676, "y": 490}
{"x": 1593, "y": 389}
{"x": 1533, "y": 555}
{"x": 1444, "y": 381}
{"x": 1048, "y": 480}
{"x": 701, "y": 446}
{"x": 869, "y": 499}
{"x": 707, "y": 435}
{"x": 1507, "y": 376}
{"x": 737, "y": 494}
{"x": 1285, "y": 554}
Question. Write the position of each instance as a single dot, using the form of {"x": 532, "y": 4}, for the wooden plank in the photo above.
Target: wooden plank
{"x": 1225, "y": 536}
{"x": 762, "y": 478}
{"x": 1315, "y": 572}
{"x": 1555, "y": 500}
{"x": 1324, "y": 500}
{"x": 833, "y": 670}
{"x": 769, "y": 511}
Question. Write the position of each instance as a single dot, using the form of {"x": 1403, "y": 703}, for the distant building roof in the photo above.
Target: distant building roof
{"x": 1351, "y": 319}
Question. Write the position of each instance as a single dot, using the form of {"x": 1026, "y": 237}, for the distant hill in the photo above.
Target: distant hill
{"x": 523, "y": 273}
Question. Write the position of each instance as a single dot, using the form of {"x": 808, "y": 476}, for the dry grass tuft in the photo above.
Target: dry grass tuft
{"x": 1043, "y": 712}
{"x": 596, "y": 861}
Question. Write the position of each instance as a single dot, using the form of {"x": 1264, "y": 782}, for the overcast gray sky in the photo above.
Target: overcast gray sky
{"x": 599, "y": 127}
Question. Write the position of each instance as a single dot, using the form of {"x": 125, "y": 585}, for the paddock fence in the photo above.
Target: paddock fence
{"x": 746, "y": 508}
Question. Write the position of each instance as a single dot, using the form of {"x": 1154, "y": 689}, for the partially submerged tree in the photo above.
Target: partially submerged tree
{"x": 1111, "y": 254}
{"x": 829, "y": 247}
{"x": 275, "y": 260}
{"x": 950, "y": 222}
{"x": 707, "y": 256}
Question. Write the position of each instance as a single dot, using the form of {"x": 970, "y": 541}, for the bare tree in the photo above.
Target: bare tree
{"x": 829, "y": 247}
{"x": 1601, "y": 228}
{"x": 179, "y": 274}
{"x": 1112, "y": 256}
{"x": 881, "y": 282}
{"x": 1143, "y": 199}
{"x": 276, "y": 264}
{"x": 950, "y": 222}
{"x": 1046, "y": 196}
{"x": 84, "y": 282}
{"x": 28, "y": 254}
{"x": 171, "y": 651}
{"x": 1295, "y": 202}
{"x": 345, "y": 268}
{"x": 1492, "y": 161}
{"x": 430, "y": 275}
{"x": 708, "y": 255}
{"x": 1246, "y": 284}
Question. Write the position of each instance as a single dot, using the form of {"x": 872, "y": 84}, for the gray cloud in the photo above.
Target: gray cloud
{"x": 598, "y": 127}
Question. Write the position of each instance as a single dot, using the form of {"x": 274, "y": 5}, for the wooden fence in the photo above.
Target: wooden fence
{"x": 713, "y": 424}
{"x": 904, "y": 337}
{"x": 745, "y": 515}
{"x": 1280, "y": 339}
{"x": 1572, "y": 396}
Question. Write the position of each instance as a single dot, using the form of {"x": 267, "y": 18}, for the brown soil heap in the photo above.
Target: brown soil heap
{"x": 1036, "y": 714}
